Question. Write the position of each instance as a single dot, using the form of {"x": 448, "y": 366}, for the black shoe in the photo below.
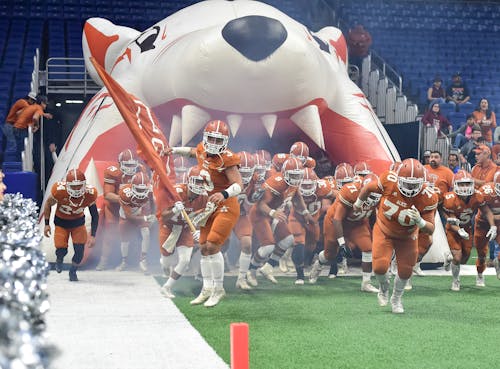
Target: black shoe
{"x": 59, "y": 266}
{"x": 72, "y": 275}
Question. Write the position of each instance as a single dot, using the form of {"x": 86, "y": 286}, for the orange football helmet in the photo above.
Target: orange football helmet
{"x": 309, "y": 182}
{"x": 215, "y": 137}
{"x": 373, "y": 197}
{"x": 196, "y": 182}
{"x": 247, "y": 166}
{"x": 411, "y": 177}
{"x": 293, "y": 172}
{"x": 343, "y": 174}
{"x": 299, "y": 150}
{"x": 463, "y": 183}
{"x": 278, "y": 160}
{"x": 265, "y": 157}
{"x": 75, "y": 183}
{"x": 362, "y": 169}
{"x": 395, "y": 166}
{"x": 128, "y": 163}
{"x": 140, "y": 185}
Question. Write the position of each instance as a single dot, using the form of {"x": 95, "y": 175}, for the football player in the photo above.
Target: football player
{"x": 407, "y": 206}
{"x": 115, "y": 176}
{"x": 135, "y": 213}
{"x": 175, "y": 236}
{"x": 181, "y": 167}
{"x": 300, "y": 151}
{"x": 224, "y": 184}
{"x": 269, "y": 218}
{"x": 71, "y": 196}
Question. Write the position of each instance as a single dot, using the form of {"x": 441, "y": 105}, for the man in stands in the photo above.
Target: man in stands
{"x": 457, "y": 93}
{"x": 115, "y": 177}
{"x": 29, "y": 117}
{"x": 72, "y": 197}
{"x": 224, "y": 184}
{"x": 8, "y": 128}
{"x": 407, "y": 207}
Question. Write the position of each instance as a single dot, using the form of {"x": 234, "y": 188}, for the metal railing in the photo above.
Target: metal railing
{"x": 68, "y": 76}
{"x": 388, "y": 71}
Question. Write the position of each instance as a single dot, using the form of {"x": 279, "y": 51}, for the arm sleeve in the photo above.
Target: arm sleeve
{"x": 95, "y": 219}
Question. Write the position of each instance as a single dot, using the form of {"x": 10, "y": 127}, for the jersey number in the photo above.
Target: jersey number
{"x": 402, "y": 218}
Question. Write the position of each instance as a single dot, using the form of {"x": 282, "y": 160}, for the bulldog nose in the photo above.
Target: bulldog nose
{"x": 254, "y": 36}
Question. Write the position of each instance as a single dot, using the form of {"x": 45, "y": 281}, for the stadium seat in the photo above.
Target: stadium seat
{"x": 12, "y": 166}
{"x": 457, "y": 119}
{"x": 467, "y": 109}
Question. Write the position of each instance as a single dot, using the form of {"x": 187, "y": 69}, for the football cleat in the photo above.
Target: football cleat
{"x": 252, "y": 278}
{"x": 59, "y": 265}
{"x": 418, "y": 271}
{"x": 204, "y": 295}
{"x": 72, "y": 274}
{"x": 103, "y": 265}
{"x": 299, "y": 282}
{"x": 123, "y": 266}
{"x": 455, "y": 285}
{"x": 383, "y": 293}
{"x": 343, "y": 268}
{"x": 315, "y": 272}
{"x": 242, "y": 284}
{"x": 267, "y": 271}
{"x": 283, "y": 265}
{"x": 480, "y": 281}
{"x": 143, "y": 264}
{"x": 167, "y": 292}
{"x": 215, "y": 297}
{"x": 368, "y": 287}
{"x": 397, "y": 305}
{"x": 496, "y": 263}
{"x": 332, "y": 276}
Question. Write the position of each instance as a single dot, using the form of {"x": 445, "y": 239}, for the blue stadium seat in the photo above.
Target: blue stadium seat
{"x": 457, "y": 119}
{"x": 12, "y": 166}
{"x": 467, "y": 109}
{"x": 446, "y": 109}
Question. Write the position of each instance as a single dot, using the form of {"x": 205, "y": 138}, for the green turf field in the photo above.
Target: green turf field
{"x": 334, "y": 325}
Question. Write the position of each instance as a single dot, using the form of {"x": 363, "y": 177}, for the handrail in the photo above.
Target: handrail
{"x": 386, "y": 67}
{"x": 72, "y": 77}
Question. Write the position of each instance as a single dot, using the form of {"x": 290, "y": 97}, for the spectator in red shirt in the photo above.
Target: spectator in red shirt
{"x": 433, "y": 118}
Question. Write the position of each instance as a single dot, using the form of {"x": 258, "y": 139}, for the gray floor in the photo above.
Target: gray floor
{"x": 111, "y": 320}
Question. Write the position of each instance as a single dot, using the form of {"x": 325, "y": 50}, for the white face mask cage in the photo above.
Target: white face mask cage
{"x": 214, "y": 142}
{"x": 79, "y": 191}
{"x": 464, "y": 187}
{"x": 246, "y": 174}
{"x": 129, "y": 167}
{"x": 140, "y": 191}
{"x": 293, "y": 177}
{"x": 308, "y": 187}
{"x": 196, "y": 184}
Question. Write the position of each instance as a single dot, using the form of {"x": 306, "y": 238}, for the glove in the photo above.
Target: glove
{"x": 344, "y": 249}
{"x": 210, "y": 207}
{"x": 492, "y": 233}
{"x": 414, "y": 215}
{"x": 453, "y": 221}
{"x": 196, "y": 235}
{"x": 178, "y": 207}
{"x": 151, "y": 218}
{"x": 462, "y": 233}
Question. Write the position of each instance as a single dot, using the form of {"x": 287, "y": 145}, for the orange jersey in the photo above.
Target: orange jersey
{"x": 392, "y": 212}
{"x": 463, "y": 211}
{"x": 215, "y": 166}
{"x": 346, "y": 197}
{"x": 70, "y": 208}
{"x": 491, "y": 199}
{"x": 129, "y": 205}
{"x": 313, "y": 202}
{"x": 17, "y": 107}
{"x": 25, "y": 118}
{"x": 190, "y": 205}
{"x": 444, "y": 177}
{"x": 484, "y": 173}
{"x": 277, "y": 193}
{"x": 114, "y": 179}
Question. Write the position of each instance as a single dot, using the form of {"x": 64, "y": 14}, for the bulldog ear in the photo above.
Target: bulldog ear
{"x": 104, "y": 41}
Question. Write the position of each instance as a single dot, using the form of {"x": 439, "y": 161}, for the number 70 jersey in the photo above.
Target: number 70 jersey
{"x": 392, "y": 215}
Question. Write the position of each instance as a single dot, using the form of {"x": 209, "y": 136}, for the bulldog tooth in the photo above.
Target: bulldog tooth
{"x": 234, "y": 121}
{"x": 269, "y": 122}
{"x": 309, "y": 121}
{"x": 175, "y": 131}
{"x": 193, "y": 119}
{"x": 92, "y": 176}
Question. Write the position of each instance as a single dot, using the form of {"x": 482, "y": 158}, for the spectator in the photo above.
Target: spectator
{"x": 467, "y": 154}
{"x": 358, "y": 42}
{"x": 444, "y": 174}
{"x": 486, "y": 119}
{"x": 29, "y": 116}
{"x": 454, "y": 162}
{"x": 434, "y": 118}
{"x": 485, "y": 169}
{"x": 436, "y": 92}
{"x": 426, "y": 157}
{"x": 8, "y": 138}
{"x": 464, "y": 133}
{"x": 495, "y": 152}
{"x": 457, "y": 93}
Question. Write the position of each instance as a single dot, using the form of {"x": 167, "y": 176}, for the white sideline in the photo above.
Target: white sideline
{"x": 111, "y": 320}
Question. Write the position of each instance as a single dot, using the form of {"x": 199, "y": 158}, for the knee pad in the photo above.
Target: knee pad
{"x": 78, "y": 256}
{"x": 286, "y": 242}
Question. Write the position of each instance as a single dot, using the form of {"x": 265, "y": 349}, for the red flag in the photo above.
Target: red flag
{"x": 145, "y": 128}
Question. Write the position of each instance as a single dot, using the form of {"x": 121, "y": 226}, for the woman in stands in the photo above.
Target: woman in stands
{"x": 434, "y": 118}
{"x": 436, "y": 92}
{"x": 486, "y": 120}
